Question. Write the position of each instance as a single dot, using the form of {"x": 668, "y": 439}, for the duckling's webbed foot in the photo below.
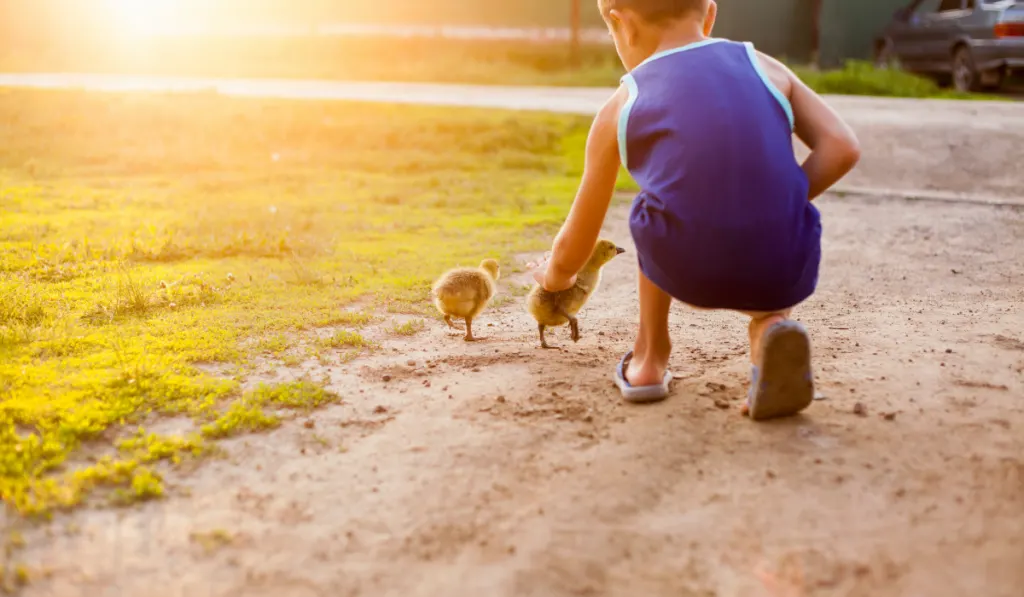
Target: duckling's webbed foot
{"x": 469, "y": 331}
{"x": 452, "y": 324}
{"x": 574, "y": 326}
{"x": 544, "y": 343}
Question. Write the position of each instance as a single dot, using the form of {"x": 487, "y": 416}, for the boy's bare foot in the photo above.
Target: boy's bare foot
{"x": 653, "y": 345}
{"x": 648, "y": 368}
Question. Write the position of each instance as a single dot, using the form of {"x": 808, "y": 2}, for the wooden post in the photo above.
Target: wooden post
{"x": 816, "y": 33}
{"x": 574, "y": 34}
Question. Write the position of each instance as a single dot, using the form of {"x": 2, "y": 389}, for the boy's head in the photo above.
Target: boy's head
{"x": 639, "y": 26}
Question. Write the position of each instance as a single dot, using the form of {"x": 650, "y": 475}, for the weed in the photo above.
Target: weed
{"x": 212, "y": 541}
{"x": 240, "y": 418}
{"x": 346, "y": 318}
{"x": 146, "y": 485}
{"x": 520, "y": 290}
{"x": 502, "y": 300}
{"x": 22, "y": 576}
{"x": 298, "y": 395}
{"x": 344, "y": 339}
{"x": 151, "y": 447}
{"x": 292, "y": 360}
{"x": 302, "y": 273}
{"x": 274, "y": 344}
{"x": 409, "y": 328}
{"x": 15, "y": 540}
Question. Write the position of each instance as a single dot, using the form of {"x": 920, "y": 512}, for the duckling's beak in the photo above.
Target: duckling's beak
{"x": 619, "y": 250}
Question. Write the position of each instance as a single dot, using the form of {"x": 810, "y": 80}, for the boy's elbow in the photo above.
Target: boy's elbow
{"x": 848, "y": 151}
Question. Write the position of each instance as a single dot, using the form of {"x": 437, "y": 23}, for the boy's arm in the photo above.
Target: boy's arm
{"x": 579, "y": 234}
{"x": 833, "y": 144}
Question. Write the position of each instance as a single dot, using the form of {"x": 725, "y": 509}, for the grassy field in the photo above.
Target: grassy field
{"x": 143, "y": 236}
{"x": 422, "y": 60}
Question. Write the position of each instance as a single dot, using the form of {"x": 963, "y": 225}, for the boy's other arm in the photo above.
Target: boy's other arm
{"x": 579, "y": 234}
{"x": 833, "y": 144}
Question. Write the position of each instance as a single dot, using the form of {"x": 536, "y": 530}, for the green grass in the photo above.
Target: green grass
{"x": 145, "y": 236}
{"x": 344, "y": 339}
{"x": 409, "y": 328}
{"x": 434, "y": 60}
{"x": 862, "y": 78}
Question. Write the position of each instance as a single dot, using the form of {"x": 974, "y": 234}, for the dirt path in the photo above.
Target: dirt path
{"x": 500, "y": 469}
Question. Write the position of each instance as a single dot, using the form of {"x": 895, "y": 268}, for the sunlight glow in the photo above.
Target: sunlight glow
{"x": 144, "y": 17}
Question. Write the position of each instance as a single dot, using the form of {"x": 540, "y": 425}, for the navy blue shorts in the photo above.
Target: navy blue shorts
{"x": 730, "y": 269}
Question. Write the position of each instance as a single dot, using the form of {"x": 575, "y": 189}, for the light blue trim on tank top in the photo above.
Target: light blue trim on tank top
{"x": 634, "y": 93}
{"x": 686, "y": 48}
{"x": 756, "y": 63}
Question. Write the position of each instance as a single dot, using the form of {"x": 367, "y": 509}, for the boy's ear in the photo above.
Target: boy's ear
{"x": 709, "y": 18}
{"x": 624, "y": 24}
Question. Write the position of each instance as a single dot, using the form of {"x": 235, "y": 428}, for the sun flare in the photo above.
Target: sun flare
{"x": 143, "y": 16}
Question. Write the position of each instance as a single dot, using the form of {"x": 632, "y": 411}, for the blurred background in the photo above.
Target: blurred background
{"x": 443, "y": 40}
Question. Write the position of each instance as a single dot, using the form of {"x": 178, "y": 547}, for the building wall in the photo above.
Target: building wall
{"x": 778, "y": 27}
{"x": 849, "y": 27}
{"x": 783, "y": 28}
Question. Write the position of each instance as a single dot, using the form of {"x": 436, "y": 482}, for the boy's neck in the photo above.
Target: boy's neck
{"x": 679, "y": 34}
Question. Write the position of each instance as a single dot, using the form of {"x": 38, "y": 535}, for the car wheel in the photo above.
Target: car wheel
{"x": 885, "y": 54}
{"x": 965, "y": 75}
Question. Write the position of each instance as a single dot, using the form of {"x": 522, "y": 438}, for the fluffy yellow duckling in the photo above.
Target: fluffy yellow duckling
{"x": 558, "y": 308}
{"x": 465, "y": 293}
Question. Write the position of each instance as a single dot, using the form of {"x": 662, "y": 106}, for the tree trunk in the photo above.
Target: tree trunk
{"x": 816, "y": 33}
{"x": 574, "y": 34}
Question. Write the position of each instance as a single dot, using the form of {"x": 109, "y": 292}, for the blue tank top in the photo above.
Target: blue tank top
{"x": 723, "y": 219}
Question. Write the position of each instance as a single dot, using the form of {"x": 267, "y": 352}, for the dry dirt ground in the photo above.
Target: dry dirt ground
{"x": 498, "y": 469}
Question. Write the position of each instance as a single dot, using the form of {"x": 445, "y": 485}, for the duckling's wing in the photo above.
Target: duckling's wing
{"x": 459, "y": 285}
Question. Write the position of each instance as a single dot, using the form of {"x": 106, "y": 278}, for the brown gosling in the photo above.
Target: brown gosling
{"x": 552, "y": 309}
{"x": 465, "y": 293}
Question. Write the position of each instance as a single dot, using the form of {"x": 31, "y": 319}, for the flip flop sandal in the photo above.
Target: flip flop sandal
{"x": 783, "y": 384}
{"x": 640, "y": 394}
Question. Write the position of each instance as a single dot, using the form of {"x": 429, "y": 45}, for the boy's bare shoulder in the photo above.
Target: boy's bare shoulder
{"x": 779, "y": 74}
{"x": 608, "y": 116}
{"x": 613, "y": 107}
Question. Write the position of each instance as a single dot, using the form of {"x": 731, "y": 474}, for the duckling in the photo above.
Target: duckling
{"x": 559, "y": 308}
{"x": 465, "y": 293}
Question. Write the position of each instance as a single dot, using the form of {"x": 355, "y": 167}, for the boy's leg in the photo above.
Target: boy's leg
{"x": 780, "y": 352}
{"x": 653, "y": 345}
{"x": 759, "y": 324}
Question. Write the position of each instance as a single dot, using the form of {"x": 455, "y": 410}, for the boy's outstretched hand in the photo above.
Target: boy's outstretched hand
{"x": 544, "y": 276}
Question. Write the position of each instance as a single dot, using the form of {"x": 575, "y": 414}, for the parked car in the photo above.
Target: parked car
{"x": 973, "y": 44}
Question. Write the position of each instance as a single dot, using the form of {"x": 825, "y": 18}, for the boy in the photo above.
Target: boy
{"x": 724, "y": 219}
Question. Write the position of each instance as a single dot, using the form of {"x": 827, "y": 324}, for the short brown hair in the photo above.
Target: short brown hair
{"x": 655, "y": 10}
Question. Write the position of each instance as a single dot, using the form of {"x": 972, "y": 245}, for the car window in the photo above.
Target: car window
{"x": 928, "y": 6}
{"x": 948, "y": 5}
